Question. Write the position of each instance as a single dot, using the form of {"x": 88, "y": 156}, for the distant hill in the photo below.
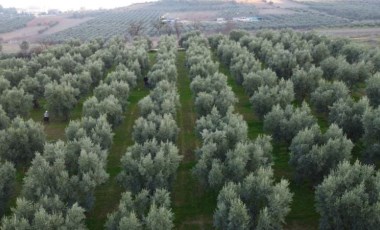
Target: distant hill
{"x": 11, "y": 20}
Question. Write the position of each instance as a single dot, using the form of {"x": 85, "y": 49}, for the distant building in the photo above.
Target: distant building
{"x": 221, "y": 20}
{"x": 247, "y": 19}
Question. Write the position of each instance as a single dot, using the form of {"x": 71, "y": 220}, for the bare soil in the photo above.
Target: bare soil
{"x": 31, "y": 33}
{"x": 365, "y": 35}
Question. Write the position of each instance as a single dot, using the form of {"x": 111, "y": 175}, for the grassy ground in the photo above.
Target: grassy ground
{"x": 302, "y": 215}
{"x": 193, "y": 207}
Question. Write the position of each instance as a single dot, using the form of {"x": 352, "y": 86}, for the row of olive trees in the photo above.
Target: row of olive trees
{"x": 150, "y": 165}
{"x": 227, "y": 160}
{"x": 314, "y": 154}
{"x": 59, "y": 185}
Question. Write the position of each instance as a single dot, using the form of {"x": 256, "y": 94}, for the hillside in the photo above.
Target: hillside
{"x": 182, "y": 16}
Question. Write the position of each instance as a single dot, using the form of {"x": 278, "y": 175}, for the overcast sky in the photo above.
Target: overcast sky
{"x": 68, "y": 4}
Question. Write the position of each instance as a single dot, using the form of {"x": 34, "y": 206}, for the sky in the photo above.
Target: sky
{"x": 68, "y": 4}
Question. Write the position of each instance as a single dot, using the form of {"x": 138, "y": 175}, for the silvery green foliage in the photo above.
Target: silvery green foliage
{"x": 219, "y": 162}
{"x": 236, "y": 35}
{"x": 371, "y": 135}
{"x": 4, "y": 84}
{"x": 265, "y": 97}
{"x": 306, "y": 81}
{"x": 222, "y": 100}
{"x": 47, "y": 213}
{"x": 304, "y": 58}
{"x": 71, "y": 171}
{"x": 320, "y": 52}
{"x": 353, "y": 52}
{"x": 99, "y": 130}
{"x": 54, "y": 74}
{"x": 375, "y": 58}
{"x": 163, "y": 128}
{"x": 327, "y": 94}
{"x": 8, "y": 176}
{"x": 352, "y": 74}
{"x": 81, "y": 81}
{"x": 119, "y": 89}
{"x": 255, "y": 203}
{"x": 348, "y": 198}
{"x": 227, "y": 49}
{"x": 183, "y": 41}
{"x": 162, "y": 99}
{"x": 15, "y": 74}
{"x": 284, "y": 124}
{"x": 110, "y": 107}
{"x": 16, "y": 102}
{"x": 314, "y": 154}
{"x": 208, "y": 84}
{"x": 164, "y": 69}
{"x": 203, "y": 68}
{"x": 122, "y": 73}
{"x": 20, "y": 141}
{"x": 60, "y": 99}
{"x": 243, "y": 63}
{"x": 67, "y": 63}
{"x": 32, "y": 86}
{"x": 215, "y": 39}
{"x": 143, "y": 210}
{"x": 252, "y": 81}
{"x": 330, "y": 66}
{"x": 373, "y": 90}
{"x": 96, "y": 70}
{"x": 348, "y": 115}
{"x": 282, "y": 62}
{"x": 150, "y": 165}
{"x": 4, "y": 119}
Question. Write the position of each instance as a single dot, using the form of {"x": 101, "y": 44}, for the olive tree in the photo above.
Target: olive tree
{"x": 33, "y": 87}
{"x": 284, "y": 124}
{"x": 99, "y": 130}
{"x": 306, "y": 81}
{"x": 215, "y": 81}
{"x": 348, "y": 198}
{"x": 4, "y": 119}
{"x": 71, "y": 171}
{"x": 47, "y": 213}
{"x": 159, "y": 161}
{"x": 4, "y": 84}
{"x": 110, "y": 107}
{"x": 282, "y": 62}
{"x": 163, "y": 128}
{"x": 20, "y": 141}
{"x": 314, "y": 154}
{"x": 222, "y": 100}
{"x": 371, "y": 135}
{"x": 163, "y": 99}
{"x": 122, "y": 73}
{"x": 219, "y": 163}
{"x": 119, "y": 89}
{"x": 253, "y": 80}
{"x": 60, "y": 99}
{"x": 16, "y": 102}
{"x": 327, "y": 94}
{"x": 257, "y": 202}
{"x": 373, "y": 90}
{"x": 142, "y": 210}
{"x": 266, "y": 97}
{"x": 348, "y": 115}
{"x": 243, "y": 63}
{"x": 8, "y": 176}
